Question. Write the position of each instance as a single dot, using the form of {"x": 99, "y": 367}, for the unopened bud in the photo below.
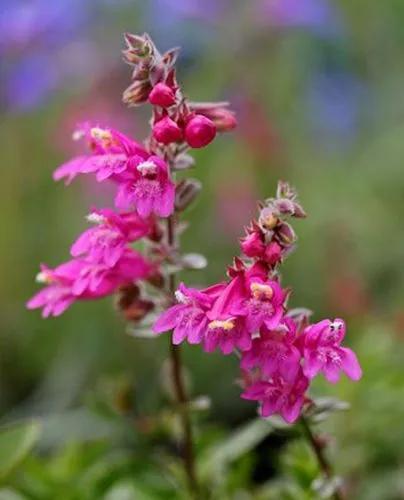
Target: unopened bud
{"x": 133, "y": 307}
{"x": 252, "y": 245}
{"x": 162, "y": 95}
{"x": 199, "y": 131}
{"x": 224, "y": 119}
{"x": 137, "y": 92}
{"x": 267, "y": 219}
{"x": 286, "y": 233}
{"x": 186, "y": 192}
{"x": 138, "y": 49}
{"x": 167, "y": 131}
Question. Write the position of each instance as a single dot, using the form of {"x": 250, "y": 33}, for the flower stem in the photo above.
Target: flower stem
{"x": 318, "y": 450}
{"x": 179, "y": 387}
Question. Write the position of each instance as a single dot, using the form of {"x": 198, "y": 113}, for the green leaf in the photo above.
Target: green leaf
{"x": 16, "y": 441}
{"x": 7, "y": 494}
{"x": 244, "y": 439}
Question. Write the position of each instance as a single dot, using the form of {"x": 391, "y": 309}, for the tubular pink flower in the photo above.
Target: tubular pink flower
{"x": 148, "y": 188}
{"x": 279, "y": 395}
{"x": 323, "y": 353}
{"x": 187, "y": 318}
{"x": 261, "y": 305}
{"x": 274, "y": 352}
{"x": 84, "y": 279}
{"x": 199, "y": 131}
{"x": 111, "y": 151}
{"x": 227, "y": 334}
{"x": 108, "y": 240}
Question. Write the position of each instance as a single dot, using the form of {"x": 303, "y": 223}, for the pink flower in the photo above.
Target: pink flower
{"x": 227, "y": 334}
{"x": 162, "y": 95}
{"x": 279, "y": 395}
{"x": 84, "y": 279}
{"x": 101, "y": 279}
{"x": 323, "y": 353}
{"x": 108, "y": 240}
{"x": 55, "y": 298}
{"x": 199, "y": 131}
{"x": 262, "y": 304}
{"x": 148, "y": 188}
{"x": 274, "y": 352}
{"x": 109, "y": 159}
{"x": 188, "y": 318}
{"x": 167, "y": 131}
{"x": 254, "y": 245}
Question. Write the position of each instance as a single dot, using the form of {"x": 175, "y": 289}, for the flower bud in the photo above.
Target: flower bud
{"x": 199, "y": 131}
{"x": 223, "y": 118}
{"x": 267, "y": 219}
{"x": 137, "y": 92}
{"x": 139, "y": 47}
{"x": 132, "y": 306}
{"x": 162, "y": 95}
{"x": 273, "y": 253}
{"x": 167, "y": 131}
{"x": 252, "y": 245}
{"x": 286, "y": 233}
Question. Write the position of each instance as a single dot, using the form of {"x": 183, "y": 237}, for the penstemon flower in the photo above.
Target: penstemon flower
{"x": 247, "y": 313}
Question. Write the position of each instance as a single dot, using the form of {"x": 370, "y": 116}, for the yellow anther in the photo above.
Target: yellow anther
{"x": 102, "y": 135}
{"x": 226, "y": 325}
{"x": 259, "y": 290}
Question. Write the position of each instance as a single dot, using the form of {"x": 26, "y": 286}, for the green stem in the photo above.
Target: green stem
{"x": 179, "y": 387}
{"x": 318, "y": 450}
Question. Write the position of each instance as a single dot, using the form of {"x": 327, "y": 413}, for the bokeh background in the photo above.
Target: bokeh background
{"x": 318, "y": 90}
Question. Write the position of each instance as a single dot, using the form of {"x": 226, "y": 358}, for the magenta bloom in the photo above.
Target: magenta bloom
{"x": 261, "y": 305}
{"x": 227, "y": 334}
{"x": 84, "y": 279}
{"x": 188, "y": 318}
{"x": 323, "y": 353}
{"x": 108, "y": 240}
{"x": 279, "y": 395}
{"x": 111, "y": 152}
{"x": 274, "y": 352}
{"x": 55, "y": 298}
{"x": 148, "y": 188}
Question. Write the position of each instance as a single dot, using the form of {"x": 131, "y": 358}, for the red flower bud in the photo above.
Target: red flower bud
{"x": 199, "y": 131}
{"x": 162, "y": 95}
{"x": 252, "y": 245}
{"x": 273, "y": 253}
{"x": 167, "y": 131}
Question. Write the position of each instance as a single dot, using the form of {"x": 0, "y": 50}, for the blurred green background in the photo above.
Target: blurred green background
{"x": 318, "y": 90}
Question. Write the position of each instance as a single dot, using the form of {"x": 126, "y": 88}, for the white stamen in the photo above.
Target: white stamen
{"x": 95, "y": 218}
{"x": 78, "y": 134}
{"x": 181, "y": 298}
{"x": 147, "y": 167}
{"x": 43, "y": 277}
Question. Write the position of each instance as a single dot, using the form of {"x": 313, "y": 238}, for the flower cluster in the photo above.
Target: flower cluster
{"x": 280, "y": 351}
{"x": 103, "y": 260}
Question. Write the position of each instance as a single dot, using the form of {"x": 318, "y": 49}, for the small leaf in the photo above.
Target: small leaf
{"x": 237, "y": 444}
{"x": 194, "y": 261}
{"x": 16, "y": 441}
{"x": 323, "y": 407}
